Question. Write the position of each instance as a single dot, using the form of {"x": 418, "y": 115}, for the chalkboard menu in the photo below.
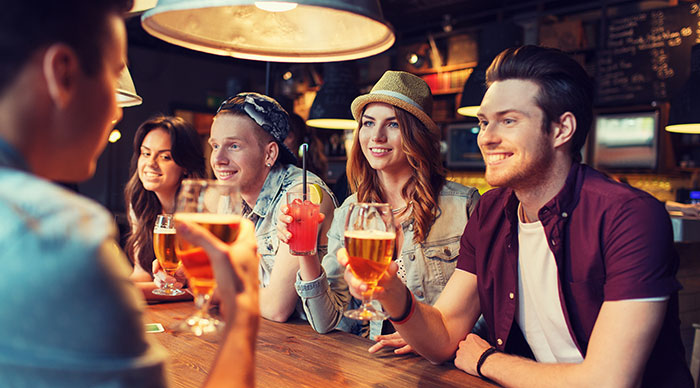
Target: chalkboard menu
{"x": 646, "y": 56}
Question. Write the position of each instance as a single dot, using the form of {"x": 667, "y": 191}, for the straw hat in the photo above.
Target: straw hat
{"x": 403, "y": 90}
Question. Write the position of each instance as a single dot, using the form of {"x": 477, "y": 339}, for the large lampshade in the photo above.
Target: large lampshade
{"x": 331, "y": 107}
{"x": 126, "y": 91}
{"x": 684, "y": 115}
{"x": 303, "y": 31}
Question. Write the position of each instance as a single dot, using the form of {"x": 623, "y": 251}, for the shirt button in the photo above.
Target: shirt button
{"x": 269, "y": 247}
{"x": 418, "y": 294}
{"x": 412, "y": 257}
{"x": 499, "y": 342}
{"x": 511, "y": 295}
{"x": 564, "y": 214}
{"x": 448, "y": 252}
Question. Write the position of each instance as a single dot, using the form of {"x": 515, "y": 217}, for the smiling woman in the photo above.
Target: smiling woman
{"x": 166, "y": 150}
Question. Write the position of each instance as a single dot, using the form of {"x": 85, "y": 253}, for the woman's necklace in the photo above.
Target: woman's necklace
{"x": 401, "y": 209}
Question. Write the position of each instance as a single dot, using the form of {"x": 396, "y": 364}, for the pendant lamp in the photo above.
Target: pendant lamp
{"x": 331, "y": 106}
{"x": 126, "y": 91}
{"x": 277, "y": 31}
{"x": 493, "y": 39}
{"x": 684, "y": 115}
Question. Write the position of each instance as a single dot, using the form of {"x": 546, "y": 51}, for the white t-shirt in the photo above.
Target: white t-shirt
{"x": 540, "y": 315}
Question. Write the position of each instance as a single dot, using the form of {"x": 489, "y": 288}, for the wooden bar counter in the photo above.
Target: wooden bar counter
{"x": 293, "y": 355}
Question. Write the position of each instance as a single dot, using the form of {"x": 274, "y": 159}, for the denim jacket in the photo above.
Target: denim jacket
{"x": 428, "y": 265}
{"x": 264, "y": 215}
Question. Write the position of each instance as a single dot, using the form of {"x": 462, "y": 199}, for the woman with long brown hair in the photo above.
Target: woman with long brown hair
{"x": 395, "y": 159}
{"x": 167, "y": 149}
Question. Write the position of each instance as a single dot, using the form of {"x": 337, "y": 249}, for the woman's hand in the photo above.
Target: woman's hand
{"x": 393, "y": 340}
{"x": 160, "y": 277}
{"x": 390, "y": 291}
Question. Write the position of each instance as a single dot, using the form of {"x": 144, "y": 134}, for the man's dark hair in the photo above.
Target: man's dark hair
{"x": 564, "y": 86}
{"x": 28, "y": 26}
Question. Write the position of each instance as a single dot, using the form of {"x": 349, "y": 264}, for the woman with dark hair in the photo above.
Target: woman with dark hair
{"x": 166, "y": 150}
{"x": 395, "y": 158}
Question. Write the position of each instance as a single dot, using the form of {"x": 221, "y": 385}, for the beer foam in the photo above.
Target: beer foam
{"x": 208, "y": 218}
{"x": 370, "y": 234}
{"x": 159, "y": 230}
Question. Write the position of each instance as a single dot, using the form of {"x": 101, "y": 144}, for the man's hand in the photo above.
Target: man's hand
{"x": 469, "y": 352}
{"x": 283, "y": 221}
{"x": 394, "y": 340}
{"x": 235, "y": 267}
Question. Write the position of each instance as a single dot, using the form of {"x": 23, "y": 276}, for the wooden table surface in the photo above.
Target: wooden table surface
{"x": 293, "y": 355}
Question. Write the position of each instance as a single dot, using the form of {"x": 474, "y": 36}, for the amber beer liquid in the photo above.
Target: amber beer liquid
{"x": 369, "y": 253}
{"x": 164, "y": 248}
{"x": 194, "y": 260}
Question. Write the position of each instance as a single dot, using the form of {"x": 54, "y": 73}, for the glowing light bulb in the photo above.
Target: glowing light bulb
{"x": 275, "y": 6}
{"x": 114, "y": 136}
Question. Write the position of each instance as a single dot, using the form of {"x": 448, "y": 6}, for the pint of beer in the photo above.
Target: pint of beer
{"x": 194, "y": 260}
{"x": 369, "y": 253}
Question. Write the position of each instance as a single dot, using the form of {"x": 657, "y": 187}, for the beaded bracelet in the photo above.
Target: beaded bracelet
{"x": 409, "y": 311}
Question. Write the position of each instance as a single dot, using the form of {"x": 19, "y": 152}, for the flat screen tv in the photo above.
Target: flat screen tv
{"x": 626, "y": 140}
{"x": 462, "y": 148}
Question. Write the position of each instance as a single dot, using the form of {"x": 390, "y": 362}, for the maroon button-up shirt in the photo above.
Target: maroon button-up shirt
{"x": 610, "y": 241}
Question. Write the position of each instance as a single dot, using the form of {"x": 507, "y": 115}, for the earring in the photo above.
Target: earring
{"x": 268, "y": 165}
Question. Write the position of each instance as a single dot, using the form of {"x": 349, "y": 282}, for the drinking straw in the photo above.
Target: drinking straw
{"x": 302, "y": 150}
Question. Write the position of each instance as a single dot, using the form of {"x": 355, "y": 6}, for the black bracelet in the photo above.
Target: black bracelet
{"x": 483, "y": 358}
{"x": 409, "y": 309}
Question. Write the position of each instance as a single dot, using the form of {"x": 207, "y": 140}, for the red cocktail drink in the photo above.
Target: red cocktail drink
{"x": 304, "y": 226}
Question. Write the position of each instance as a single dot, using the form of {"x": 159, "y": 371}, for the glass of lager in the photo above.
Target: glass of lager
{"x": 215, "y": 206}
{"x": 164, "y": 248}
{"x": 369, "y": 239}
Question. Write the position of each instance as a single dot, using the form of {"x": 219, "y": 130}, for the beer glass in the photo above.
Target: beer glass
{"x": 164, "y": 248}
{"x": 369, "y": 240}
{"x": 216, "y": 206}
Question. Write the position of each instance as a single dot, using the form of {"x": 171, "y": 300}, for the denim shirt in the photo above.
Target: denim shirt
{"x": 428, "y": 265}
{"x": 264, "y": 215}
{"x": 55, "y": 246}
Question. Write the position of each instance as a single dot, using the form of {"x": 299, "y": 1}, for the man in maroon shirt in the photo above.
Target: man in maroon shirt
{"x": 567, "y": 266}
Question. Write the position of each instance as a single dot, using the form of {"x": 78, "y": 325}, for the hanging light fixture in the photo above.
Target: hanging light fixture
{"x": 684, "y": 115}
{"x": 493, "y": 39}
{"x": 278, "y": 31}
{"x": 142, "y": 5}
{"x": 126, "y": 91}
{"x": 473, "y": 92}
{"x": 331, "y": 106}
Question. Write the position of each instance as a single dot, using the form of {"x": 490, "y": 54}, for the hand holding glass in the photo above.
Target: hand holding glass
{"x": 164, "y": 248}
{"x": 369, "y": 240}
{"x": 304, "y": 226}
{"x": 215, "y": 206}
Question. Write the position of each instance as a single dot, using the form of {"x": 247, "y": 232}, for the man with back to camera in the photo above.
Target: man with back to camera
{"x": 567, "y": 266}
{"x": 70, "y": 316}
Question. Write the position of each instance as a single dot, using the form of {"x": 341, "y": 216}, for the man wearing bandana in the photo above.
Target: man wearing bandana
{"x": 247, "y": 140}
